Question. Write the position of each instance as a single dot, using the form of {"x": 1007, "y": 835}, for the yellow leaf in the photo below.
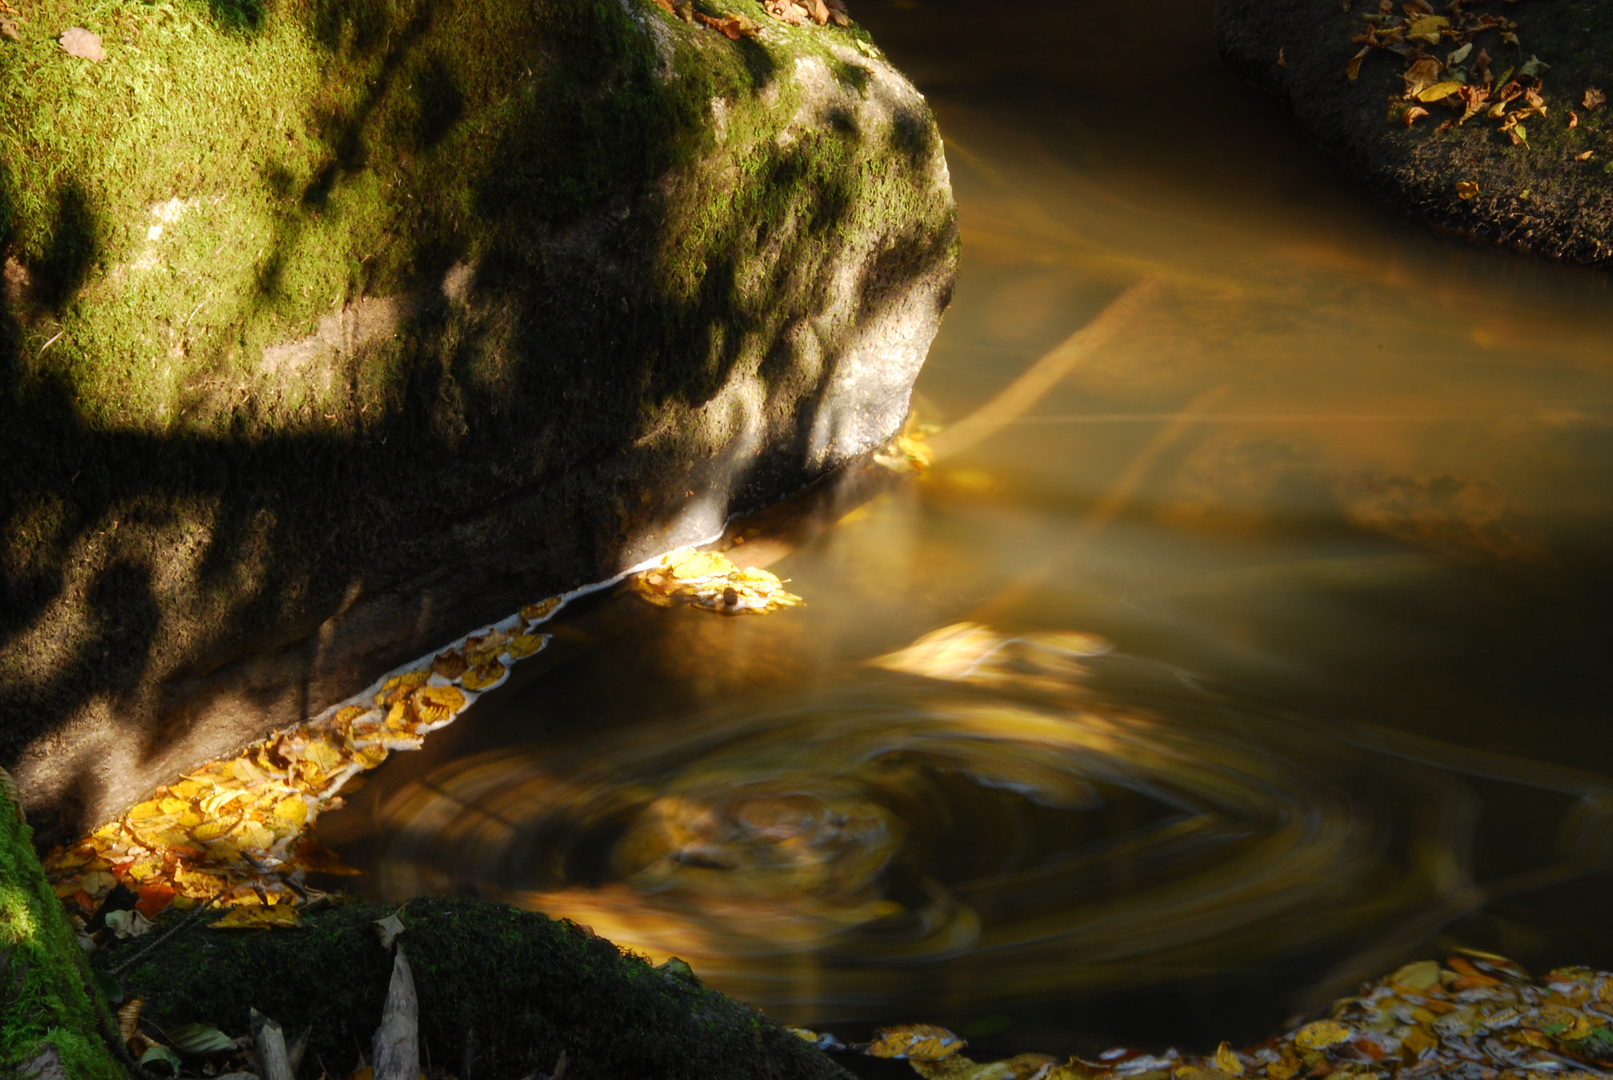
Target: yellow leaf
{"x": 322, "y": 754}
{"x": 1353, "y": 68}
{"x": 145, "y": 871}
{"x": 1466, "y": 189}
{"x": 1418, "y": 1039}
{"x": 1194, "y": 1072}
{"x": 1321, "y": 1034}
{"x": 541, "y": 610}
{"x": 1286, "y": 1069}
{"x": 1419, "y": 975}
{"x": 129, "y": 1018}
{"x": 399, "y": 687}
{"x": 701, "y": 564}
{"x": 1439, "y": 90}
{"x": 1561, "y": 1023}
{"x": 259, "y": 918}
{"x": 292, "y": 809}
{"x": 483, "y": 676}
{"x": 435, "y": 704}
{"x": 1586, "y": 156}
{"x": 915, "y": 1042}
{"x": 1427, "y": 28}
{"x": 524, "y": 645}
{"x": 1227, "y": 1061}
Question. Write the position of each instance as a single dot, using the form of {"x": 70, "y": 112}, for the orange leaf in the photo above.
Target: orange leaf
{"x": 154, "y": 898}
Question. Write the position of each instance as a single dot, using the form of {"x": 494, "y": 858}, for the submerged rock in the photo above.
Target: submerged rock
{"x": 332, "y": 331}
{"x": 1538, "y": 184}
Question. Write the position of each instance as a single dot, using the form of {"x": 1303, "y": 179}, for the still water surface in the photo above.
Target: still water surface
{"x": 1336, "y": 492}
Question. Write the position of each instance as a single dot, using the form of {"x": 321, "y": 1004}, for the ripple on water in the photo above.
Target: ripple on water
{"x": 975, "y": 816}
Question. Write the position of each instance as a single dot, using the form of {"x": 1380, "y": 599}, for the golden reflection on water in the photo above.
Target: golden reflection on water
{"x": 975, "y": 817}
{"x": 1333, "y": 461}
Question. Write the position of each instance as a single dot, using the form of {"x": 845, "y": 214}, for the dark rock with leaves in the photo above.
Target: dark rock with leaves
{"x": 1484, "y": 118}
{"x": 333, "y": 329}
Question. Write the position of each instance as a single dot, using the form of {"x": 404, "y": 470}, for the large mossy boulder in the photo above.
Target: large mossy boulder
{"x": 335, "y": 328}
{"x": 1548, "y": 192}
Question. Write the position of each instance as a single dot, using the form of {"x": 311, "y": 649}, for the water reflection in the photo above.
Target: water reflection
{"x": 974, "y": 818}
{"x": 1329, "y": 460}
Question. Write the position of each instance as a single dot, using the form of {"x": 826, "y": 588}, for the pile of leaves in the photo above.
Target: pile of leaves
{"x": 734, "y": 27}
{"x": 707, "y": 580}
{"x": 1448, "y": 64}
{"x": 1478, "y": 1016}
{"x": 236, "y": 832}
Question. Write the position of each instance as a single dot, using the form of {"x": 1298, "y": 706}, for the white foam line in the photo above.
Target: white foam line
{"x": 366, "y": 697}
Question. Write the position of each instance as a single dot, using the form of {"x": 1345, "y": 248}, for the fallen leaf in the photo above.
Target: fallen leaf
{"x": 156, "y": 1052}
{"x": 1414, "y": 113}
{"x": 79, "y": 42}
{"x": 1439, "y": 90}
{"x": 199, "y": 1039}
{"x": 1427, "y": 28}
{"x": 389, "y": 928}
{"x": 484, "y": 676}
{"x": 915, "y": 1042}
{"x": 1573, "y": 120}
{"x": 1418, "y": 975}
{"x": 1353, "y": 68}
{"x": 1227, "y": 1061}
{"x": 437, "y": 704}
{"x": 524, "y": 645}
{"x": 1586, "y": 156}
{"x": 129, "y": 1018}
{"x": 1421, "y": 75}
{"x": 259, "y": 918}
{"x": 541, "y": 610}
{"x": 9, "y": 31}
{"x": 155, "y": 899}
{"x": 1321, "y": 1034}
{"x": 1466, "y": 189}
{"x": 451, "y": 664}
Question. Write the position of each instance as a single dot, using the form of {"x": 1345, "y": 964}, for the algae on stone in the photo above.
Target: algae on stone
{"x": 331, "y": 324}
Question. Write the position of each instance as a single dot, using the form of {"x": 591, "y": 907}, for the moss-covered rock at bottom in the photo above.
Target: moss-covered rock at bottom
{"x": 502, "y": 993}
{"x": 1549, "y": 195}
{"x": 46, "y": 1012}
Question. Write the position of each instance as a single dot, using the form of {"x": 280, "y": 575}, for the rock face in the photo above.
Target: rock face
{"x": 1539, "y": 196}
{"x": 333, "y": 331}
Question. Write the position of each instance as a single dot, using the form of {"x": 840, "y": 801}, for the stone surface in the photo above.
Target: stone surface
{"x": 266, "y": 434}
{"x": 1537, "y": 199}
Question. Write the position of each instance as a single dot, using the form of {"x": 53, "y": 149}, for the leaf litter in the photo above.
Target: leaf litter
{"x": 1509, "y": 90}
{"x": 708, "y": 580}
{"x": 1477, "y": 1016}
{"x": 238, "y": 831}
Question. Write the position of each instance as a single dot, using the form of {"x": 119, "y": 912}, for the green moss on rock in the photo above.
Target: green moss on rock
{"x": 503, "y": 989}
{"x": 43, "y": 1000}
{"x": 334, "y": 328}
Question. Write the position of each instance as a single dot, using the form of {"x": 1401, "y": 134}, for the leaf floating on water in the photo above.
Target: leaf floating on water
{"x": 484, "y": 676}
{"x": 450, "y": 665}
{"x": 915, "y": 1042}
{"x": 438, "y": 704}
{"x": 708, "y": 580}
{"x": 541, "y": 610}
{"x": 522, "y": 646}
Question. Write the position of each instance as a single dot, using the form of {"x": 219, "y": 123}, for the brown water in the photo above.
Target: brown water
{"x": 1338, "y": 493}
